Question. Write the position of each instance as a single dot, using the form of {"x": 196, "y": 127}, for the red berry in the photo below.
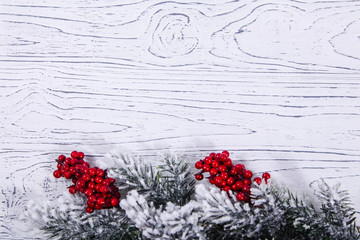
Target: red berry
{"x": 218, "y": 157}
{"x": 91, "y": 185}
{"x": 66, "y": 166}
{"x": 199, "y": 177}
{"x": 80, "y": 183}
{"x": 239, "y": 185}
{"x": 239, "y": 168}
{"x": 98, "y": 207}
{"x": 206, "y": 167}
{"x": 92, "y": 171}
{"x": 98, "y": 179}
{"x": 85, "y": 164}
{"x": 257, "y": 180}
{"x": 248, "y": 174}
{"x": 72, "y": 170}
{"x": 67, "y": 175}
{"x": 114, "y": 202}
{"x": 233, "y": 171}
{"x": 68, "y": 161}
{"x": 74, "y": 180}
{"x": 100, "y": 172}
{"x": 223, "y": 157}
{"x": 74, "y": 154}
{"x": 104, "y": 189}
{"x": 228, "y": 162}
{"x": 211, "y": 180}
{"x": 208, "y": 160}
{"x": 215, "y": 164}
{"x": 90, "y": 203}
{"x": 223, "y": 183}
{"x": 73, "y": 161}
{"x": 61, "y": 158}
{"x": 222, "y": 168}
{"x": 57, "y": 174}
{"x": 106, "y": 182}
{"x": 111, "y": 180}
{"x": 100, "y": 201}
{"x": 92, "y": 198}
{"x": 81, "y": 155}
{"x": 247, "y": 181}
{"x": 78, "y": 175}
{"x": 240, "y": 197}
{"x": 266, "y": 175}
{"x": 198, "y": 165}
{"x": 84, "y": 169}
{"x": 226, "y": 188}
{"x": 233, "y": 187}
{"x": 72, "y": 190}
{"x": 218, "y": 180}
{"x": 89, "y": 210}
{"x": 213, "y": 171}
{"x": 97, "y": 187}
{"x": 224, "y": 175}
{"x": 212, "y": 155}
{"x": 230, "y": 181}
{"x": 86, "y": 177}
{"x": 78, "y": 167}
{"x": 226, "y": 153}
{"x": 246, "y": 188}
{"x": 62, "y": 171}
{"x": 88, "y": 192}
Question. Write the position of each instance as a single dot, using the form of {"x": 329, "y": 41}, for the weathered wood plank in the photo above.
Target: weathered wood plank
{"x": 282, "y": 36}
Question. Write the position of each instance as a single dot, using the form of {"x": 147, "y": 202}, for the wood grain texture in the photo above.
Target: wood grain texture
{"x": 277, "y": 83}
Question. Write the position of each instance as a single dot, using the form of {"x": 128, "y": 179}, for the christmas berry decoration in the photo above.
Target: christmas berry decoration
{"x": 92, "y": 182}
{"x": 198, "y": 165}
{"x": 257, "y": 180}
{"x": 213, "y": 171}
{"x": 266, "y": 176}
{"x": 57, "y": 174}
{"x": 227, "y": 176}
{"x": 199, "y": 177}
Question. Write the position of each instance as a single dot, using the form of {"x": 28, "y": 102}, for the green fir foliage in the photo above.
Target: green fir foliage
{"x": 171, "y": 180}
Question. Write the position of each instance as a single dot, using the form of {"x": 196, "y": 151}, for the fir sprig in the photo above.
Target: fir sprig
{"x": 278, "y": 214}
{"x": 178, "y": 179}
{"x": 334, "y": 220}
{"x": 164, "y": 212}
{"x": 170, "y": 181}
{"x": 65, "y": 219}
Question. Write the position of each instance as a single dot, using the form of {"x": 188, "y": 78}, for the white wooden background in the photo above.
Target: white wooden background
{"x": 277, "y": 83}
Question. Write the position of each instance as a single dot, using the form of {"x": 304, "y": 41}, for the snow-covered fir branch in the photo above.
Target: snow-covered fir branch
{"x": 164, "y": 222}
{"x": 66, "y": 219}
{"x": 276, "y": 214}
{"x": 164, "y": 212}
{"x": 171, "y": 180}
{"x": 226, "y": 218}
{"x": 334, "y": 220}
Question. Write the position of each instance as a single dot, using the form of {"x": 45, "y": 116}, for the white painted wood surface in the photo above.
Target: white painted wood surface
{"x": 277, "y": 83}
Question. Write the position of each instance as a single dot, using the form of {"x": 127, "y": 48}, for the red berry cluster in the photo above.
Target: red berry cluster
{"x": 227, "y": 176}
{"x": 93, "y": 182}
